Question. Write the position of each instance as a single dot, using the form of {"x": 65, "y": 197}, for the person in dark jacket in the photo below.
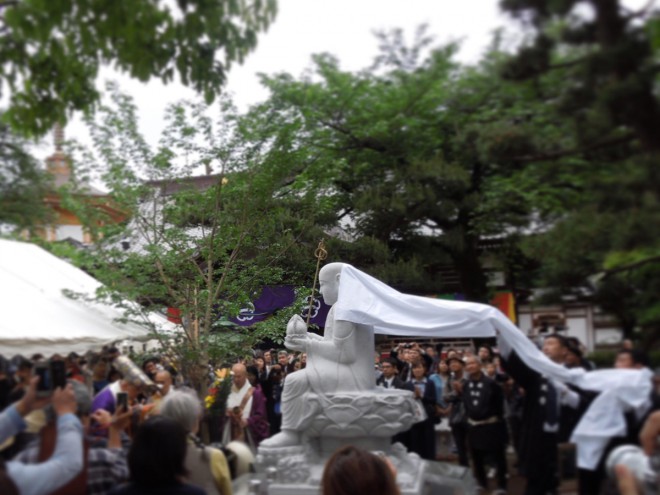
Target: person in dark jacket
{"x": 539, "y": 428}
{"x": 422, "y": 434}
{"x": 453, "y": 397}
{"x": 389, "y": 378}
{"x": 272, "y": 389}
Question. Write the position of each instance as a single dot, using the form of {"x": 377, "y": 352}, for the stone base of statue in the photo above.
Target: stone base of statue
{"x": 364, "y": 419}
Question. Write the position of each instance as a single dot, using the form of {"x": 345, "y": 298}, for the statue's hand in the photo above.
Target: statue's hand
{"x": 296, "y": 326}
{"x": 296, "y": 342}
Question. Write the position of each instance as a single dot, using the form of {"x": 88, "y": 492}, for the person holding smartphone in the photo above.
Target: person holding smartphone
{"x": 67, "y": 460}
{"x": 132, "y": 383}
{"x": 105, "y": 465}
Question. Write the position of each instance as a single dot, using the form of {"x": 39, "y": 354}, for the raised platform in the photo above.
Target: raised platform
{"x": 414, "y": 476}
{"x": 367, "y": 419}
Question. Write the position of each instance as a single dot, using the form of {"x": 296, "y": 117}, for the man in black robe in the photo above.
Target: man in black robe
{"x": 539, "y": 429}
{"x": 483, "y": 400}
{"x": 546, "y": 404}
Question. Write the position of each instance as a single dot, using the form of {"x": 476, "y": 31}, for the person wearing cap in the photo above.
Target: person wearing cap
{"x": 150, "y": 367}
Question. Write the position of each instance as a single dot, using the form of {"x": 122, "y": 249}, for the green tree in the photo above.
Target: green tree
{"x": 603, "y": 159}
{"x": 405, "y": 154}
{"x": 51, "y": 51}
{"x": 203, "y": 243}
{"x": 23, "y": 185}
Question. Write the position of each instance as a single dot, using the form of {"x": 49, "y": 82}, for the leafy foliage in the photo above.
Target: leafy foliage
{"x": 204, "y": 244}
{"x": 409, "y": 155}
{"x": 604, "y": 160}
{"x": 23, "y": 184}
{"x": 51, "y": 50}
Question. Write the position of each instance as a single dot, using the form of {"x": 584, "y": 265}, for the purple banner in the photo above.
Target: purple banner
{"x": 319, "y": 311}
{"x": 277, "y": 297}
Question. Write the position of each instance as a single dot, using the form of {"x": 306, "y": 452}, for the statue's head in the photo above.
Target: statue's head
{"x": 329, "y": 281}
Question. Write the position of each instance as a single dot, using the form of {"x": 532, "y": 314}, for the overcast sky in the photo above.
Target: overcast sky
{"x": 344, "y": 28}
{"x": 304, "y": 27}
{"x": 341, "y": 27}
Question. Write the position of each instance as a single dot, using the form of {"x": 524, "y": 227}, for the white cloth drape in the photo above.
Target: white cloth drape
{"x": 368, "y": 301}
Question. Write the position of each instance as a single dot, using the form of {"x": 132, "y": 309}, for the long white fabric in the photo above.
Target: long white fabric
{"x": 368, "y": 301}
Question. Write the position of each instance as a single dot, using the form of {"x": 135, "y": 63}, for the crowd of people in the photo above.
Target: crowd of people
{"x": 120, "y": 428}
{"x": 495, "y": 406}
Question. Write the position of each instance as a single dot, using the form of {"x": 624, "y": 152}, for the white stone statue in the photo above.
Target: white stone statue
{"x": 340, "y": 361}
{"x": 334, "y": 401}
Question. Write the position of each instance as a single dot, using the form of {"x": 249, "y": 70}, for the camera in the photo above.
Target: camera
{"x": 645, "y": 469}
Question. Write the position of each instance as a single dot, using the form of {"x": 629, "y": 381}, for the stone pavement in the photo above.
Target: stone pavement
{"x": 516, "y": 483}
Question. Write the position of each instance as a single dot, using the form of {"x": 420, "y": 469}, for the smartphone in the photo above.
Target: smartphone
{"x": 58, "y": 374}
{"x": 44, "y": 386}
{"x": 122, "y": 401}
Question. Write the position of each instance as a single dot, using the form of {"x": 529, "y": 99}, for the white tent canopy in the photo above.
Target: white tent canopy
{"x": 37, "y": 317}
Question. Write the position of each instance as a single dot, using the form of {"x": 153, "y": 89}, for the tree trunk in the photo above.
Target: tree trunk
{"x": 474, "y": 283}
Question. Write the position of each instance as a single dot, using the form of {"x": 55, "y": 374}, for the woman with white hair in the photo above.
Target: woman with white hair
{"x": 207, "y": 467}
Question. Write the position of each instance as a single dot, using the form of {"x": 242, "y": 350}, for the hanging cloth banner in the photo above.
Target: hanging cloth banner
{"x": 275, "y": 297}
{"x": 368, "y": 301}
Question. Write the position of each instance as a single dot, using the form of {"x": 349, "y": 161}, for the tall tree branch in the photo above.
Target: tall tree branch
{"x": 632, "y": 266}
{"x": 552, "y": 155}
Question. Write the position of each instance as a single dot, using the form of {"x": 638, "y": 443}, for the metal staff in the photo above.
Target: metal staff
{"x": 320, "y": 254}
